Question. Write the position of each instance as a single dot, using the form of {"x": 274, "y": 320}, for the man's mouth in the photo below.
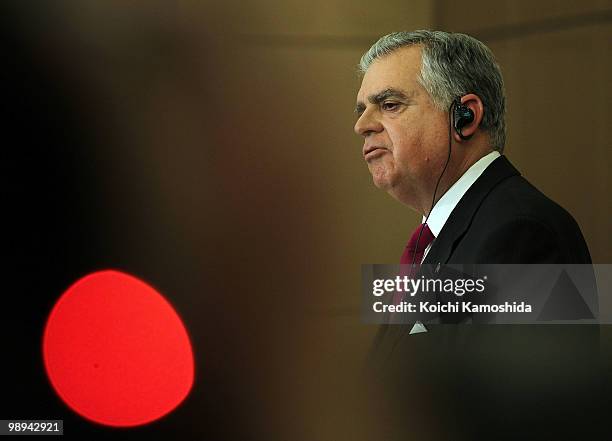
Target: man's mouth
{"x": 373, "y": 152}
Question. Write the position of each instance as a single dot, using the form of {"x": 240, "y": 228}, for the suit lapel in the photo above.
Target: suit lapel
{"x": 462, "y": 215}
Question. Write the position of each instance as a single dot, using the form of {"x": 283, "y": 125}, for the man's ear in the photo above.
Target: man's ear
{"x": 474, "y": 103}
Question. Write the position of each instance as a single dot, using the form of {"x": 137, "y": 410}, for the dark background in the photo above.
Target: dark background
{"x": 208, "y": 149}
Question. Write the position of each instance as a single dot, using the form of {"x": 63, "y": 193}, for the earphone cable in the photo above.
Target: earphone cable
{"x": 433, "y": 201}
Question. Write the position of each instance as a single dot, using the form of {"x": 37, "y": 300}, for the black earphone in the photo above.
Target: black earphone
{"x": 461, "y": 115}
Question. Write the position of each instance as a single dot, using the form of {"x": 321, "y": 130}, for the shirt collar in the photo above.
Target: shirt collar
{"x": 447, "y": 203}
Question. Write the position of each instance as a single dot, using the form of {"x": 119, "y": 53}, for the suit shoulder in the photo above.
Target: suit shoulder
{"x": 516, "y": 210}
{"x": 516, "y": 198}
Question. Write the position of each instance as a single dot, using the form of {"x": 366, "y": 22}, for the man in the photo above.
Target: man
{"x": 431, "y": 110}
{"x": 409, "y": 82}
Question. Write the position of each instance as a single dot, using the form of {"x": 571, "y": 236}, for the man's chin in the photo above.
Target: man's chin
{"x": 382, "y": 183}
{"x": 382, "y": 180}
{"x": 383, "y": 176}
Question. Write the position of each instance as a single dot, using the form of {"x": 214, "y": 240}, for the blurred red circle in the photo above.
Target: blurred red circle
{"x": 116, "y": 351}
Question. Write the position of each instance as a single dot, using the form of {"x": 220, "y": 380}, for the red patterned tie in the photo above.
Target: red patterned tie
{"x": 409, "y": 253}
{"x": 414, "y": 252}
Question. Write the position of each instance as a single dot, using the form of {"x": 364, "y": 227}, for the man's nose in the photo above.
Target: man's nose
{"x": 367, "y": 123}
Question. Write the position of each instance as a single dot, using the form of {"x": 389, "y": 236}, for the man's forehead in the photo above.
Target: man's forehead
{"x": 397, "y": 70}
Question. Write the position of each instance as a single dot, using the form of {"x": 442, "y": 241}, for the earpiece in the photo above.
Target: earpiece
{"x": 462, "y": 116}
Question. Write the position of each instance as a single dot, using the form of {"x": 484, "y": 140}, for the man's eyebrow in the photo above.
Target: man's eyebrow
{"x": 381, "y": 96}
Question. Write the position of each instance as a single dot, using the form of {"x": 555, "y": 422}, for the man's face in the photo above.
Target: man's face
{"x": 405, "y": 136}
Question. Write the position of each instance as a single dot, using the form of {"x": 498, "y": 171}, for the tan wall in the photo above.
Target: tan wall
{"x": 555, "y": 57}
{"x": 302, "y": 60}
{"x": 305, "y": 69}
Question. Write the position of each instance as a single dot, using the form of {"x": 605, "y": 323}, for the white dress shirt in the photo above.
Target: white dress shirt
{"x": 447, "y": 203}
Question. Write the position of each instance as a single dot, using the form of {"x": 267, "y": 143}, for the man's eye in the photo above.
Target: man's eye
{"x": 389, "y": 105}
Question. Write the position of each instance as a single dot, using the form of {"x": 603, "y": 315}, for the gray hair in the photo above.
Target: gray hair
{"x": 453, "y": 65}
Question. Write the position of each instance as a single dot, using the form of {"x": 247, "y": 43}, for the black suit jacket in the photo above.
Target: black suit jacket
{"x": 502, "y": 218}
{"x": 492, "y": 381}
